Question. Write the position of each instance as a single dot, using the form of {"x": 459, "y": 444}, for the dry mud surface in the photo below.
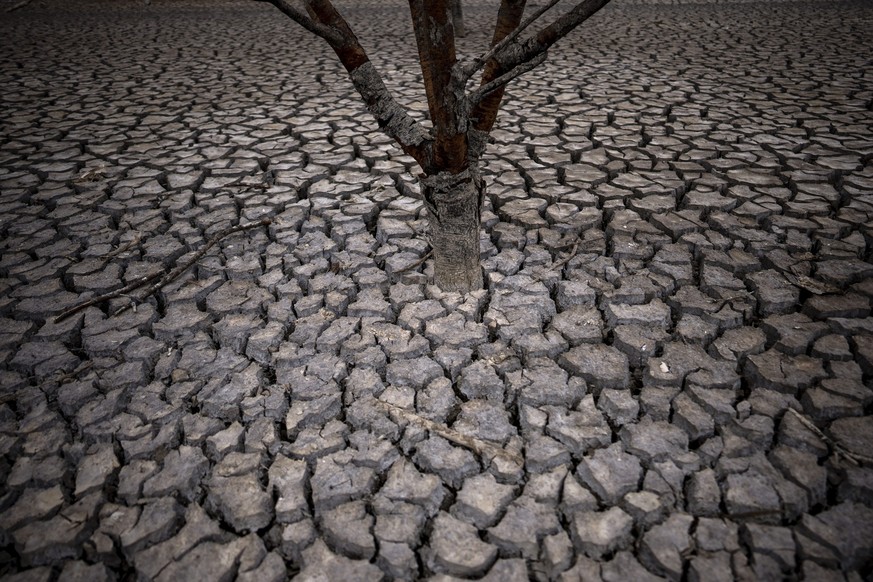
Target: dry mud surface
{"x": 668, "y": 375}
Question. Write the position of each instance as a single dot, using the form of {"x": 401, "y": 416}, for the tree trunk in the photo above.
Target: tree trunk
{"x": 453, "y": 202}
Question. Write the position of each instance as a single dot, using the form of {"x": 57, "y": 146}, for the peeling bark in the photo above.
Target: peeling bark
{"x": 392, "y": 118}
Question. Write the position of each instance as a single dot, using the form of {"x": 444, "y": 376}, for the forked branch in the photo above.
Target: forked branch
{"x": 513, "y": 56}
{"x": 165, "y": 278}
{"x": 479, "y": 62}
{"x": 323, "y": 19}
{"x": 519, "y": 52}
{"x": 181, "y": 268}
{"x": 301, "y": 18}
{"x": 480, "y": 93}
{"x": 455, "y": 116}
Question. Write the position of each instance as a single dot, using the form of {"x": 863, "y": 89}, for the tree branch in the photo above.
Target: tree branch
{"x": 565, "y": 24}
{"x": 435, "y": 38}
{"x": 516, "y": 53}
{"x": 18, "y": 6}
{"x": 347, "y": 48}
{"x": 306, "y": 22}
{"x": 477, "y": 64}
{"x": 854, "y": 458}
{"x": 176, "y": 272}
{"x": 485, "y": 112}
{"x": 480, "y": 93}
{"x": 324, "y": 20}
{"x": 482, "y": 448}
{"x": 392, "y": 117}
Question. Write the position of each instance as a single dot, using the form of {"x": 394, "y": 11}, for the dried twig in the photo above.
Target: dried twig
{"x": 560, "y": 263}
{"x": 175, "y": 273}
{"x": 91, "y": 175}
{"x": 123, "y": 248}
{"x": 812, "y": 285}
{"x": 111, "y": 295}
{"x": 63, "y": 378}
{"x": 21, "y": 4}
{"x": 478, "y": 446}
{"x": 58, "y": 377}
{"x": 84, "y": 366}
{"x": 570, "y": 244}
{"x": 415, "y": 264}
{"x": 751, "y": 514}
{"x": 144, "y": 280}
{"x": 854, "y": 458}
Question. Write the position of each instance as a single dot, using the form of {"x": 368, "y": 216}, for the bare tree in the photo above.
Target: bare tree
{"x": 449, "y": 154}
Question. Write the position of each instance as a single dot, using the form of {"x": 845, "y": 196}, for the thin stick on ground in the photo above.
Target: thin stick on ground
{"x": 135, "y": 284}
{"x": 559, "y": 264}
{"x": 69, "y": 376}
{"x": 167, "y": 278}
{"x": 840, "y": 450}
{"x": 420, "y": 261}
{"x": 180, "y": 269}
{"x": 18, "y": 6}
{"x": 478, "y": 446}
{"x": 122, "y": 249}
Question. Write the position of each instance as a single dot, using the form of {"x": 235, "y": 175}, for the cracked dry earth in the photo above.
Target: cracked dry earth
{"x": 668, "y": 375}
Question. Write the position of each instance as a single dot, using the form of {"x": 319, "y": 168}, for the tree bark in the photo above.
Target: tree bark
{"x": 453, "y": 203}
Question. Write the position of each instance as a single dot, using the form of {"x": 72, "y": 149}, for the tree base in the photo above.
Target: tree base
{"x": 453, "y": 202}
{"x": 456, "y": 263}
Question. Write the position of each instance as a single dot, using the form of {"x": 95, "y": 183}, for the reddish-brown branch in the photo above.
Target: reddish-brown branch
{"x": 485, "y": 112}
{"x": 323, "y": 19}
{"x": 518, "y": 53}
{"x": 479, "y": 62}
{"x": 435, "y": 37}
{"x": 347, "y": 48}
{"x": 564, "y": 25}
{"x": 483, "y": 91}
{"x": 455, "y": 117}
{"x": 515, "y": 56}
{"x": 305, "y": 21}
